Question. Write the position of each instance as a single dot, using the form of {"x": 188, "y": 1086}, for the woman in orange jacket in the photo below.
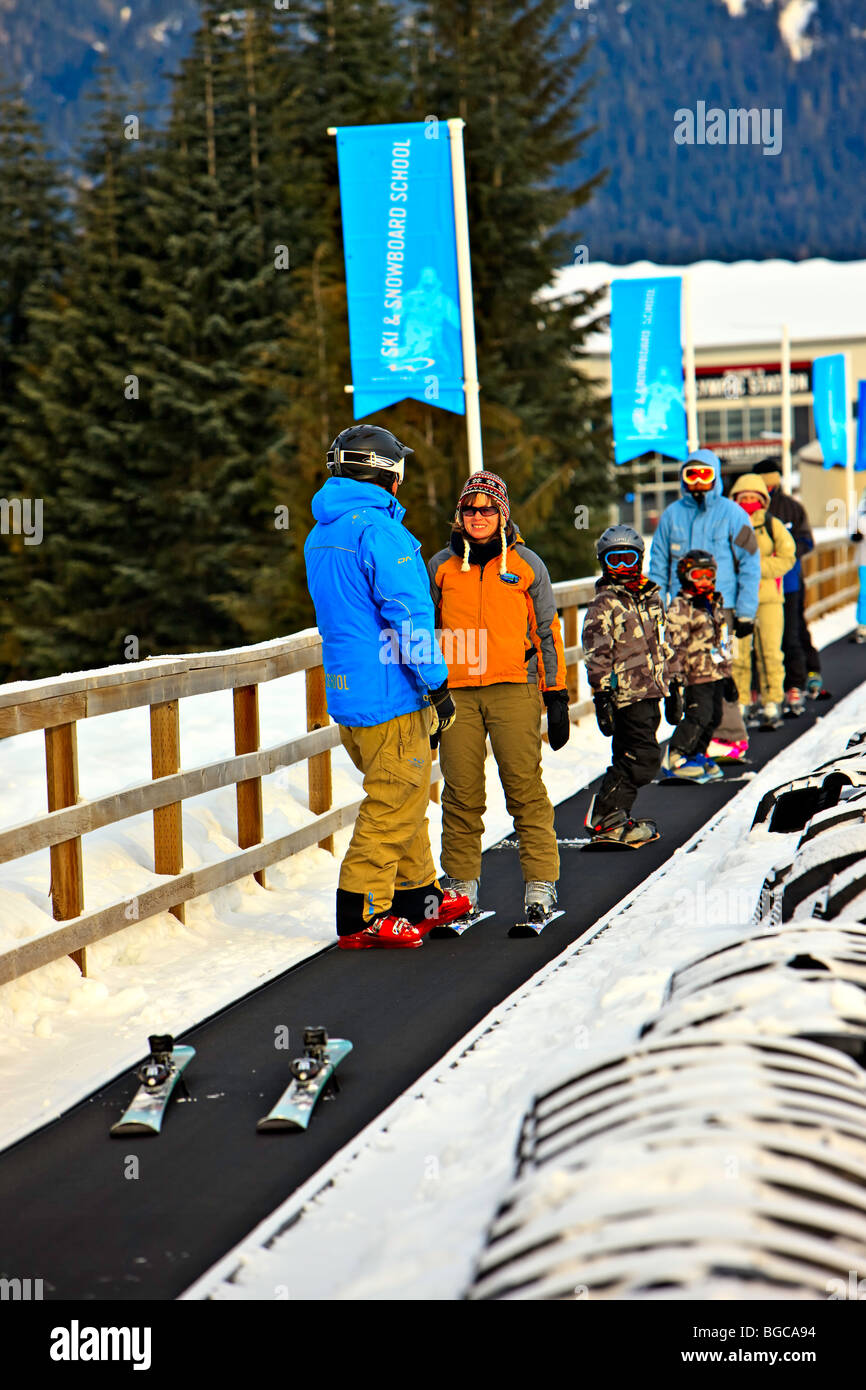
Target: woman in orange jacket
{"x": 501, "y": 639}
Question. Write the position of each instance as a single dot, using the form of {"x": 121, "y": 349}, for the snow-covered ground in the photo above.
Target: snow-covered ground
{"x": 400, "y": 1213}
{"x": 62, "y": 1035}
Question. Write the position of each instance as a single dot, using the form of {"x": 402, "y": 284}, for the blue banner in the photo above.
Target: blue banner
{"x": 648, "y": 398}
{"x": 860, "y": 458}
{"x": 830, "y": 408}
{"x": 401, "y": 265}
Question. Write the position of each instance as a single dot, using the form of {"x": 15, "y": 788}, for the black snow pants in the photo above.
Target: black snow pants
{"x": 636, "y": 757}
{"x": 702, "y": 712}
{"x": 813, "y": 659}
{"x": 792, "y": 642}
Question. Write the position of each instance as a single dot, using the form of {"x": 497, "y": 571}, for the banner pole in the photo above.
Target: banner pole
{"x": 786, "y": 409}
{"x": 464, "y": 279}
{"x": 849, "y": 449}
{"x": 691, "y": 391}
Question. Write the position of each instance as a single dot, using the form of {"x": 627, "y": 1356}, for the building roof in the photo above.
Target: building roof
{"x": 746, "y": 302}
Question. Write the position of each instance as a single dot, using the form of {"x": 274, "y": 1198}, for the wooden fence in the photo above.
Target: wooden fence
{"x": 56, "y": 706}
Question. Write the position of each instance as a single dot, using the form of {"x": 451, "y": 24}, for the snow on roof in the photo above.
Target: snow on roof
{"x": 746, "y": 302}
{"x": 793, "y": 18}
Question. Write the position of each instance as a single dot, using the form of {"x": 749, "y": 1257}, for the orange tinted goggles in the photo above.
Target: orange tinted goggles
{"x": 699, "y": 475}
{"x": 702, "y": 576}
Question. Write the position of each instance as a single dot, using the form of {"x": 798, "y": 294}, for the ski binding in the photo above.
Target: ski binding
{"x": 461, "y": 924}
{"x": 158, "y": 1077}
{"x": 534, "y": 928}
{"x": 312, "y": 1077}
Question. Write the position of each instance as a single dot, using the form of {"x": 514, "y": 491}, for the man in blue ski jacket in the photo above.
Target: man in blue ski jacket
{"x": 703, "y": 519}
{"x": 387, "y": 688}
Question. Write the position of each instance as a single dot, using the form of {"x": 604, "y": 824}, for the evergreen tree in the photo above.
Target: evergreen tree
{"x": 216, "y": 304}
{"x": 499, "y": 65}
{"x": 544, "y": 427}
{"x": 33, "y": 231}
{"x": 347, "y": 66}
{"x": 81, "y": 424}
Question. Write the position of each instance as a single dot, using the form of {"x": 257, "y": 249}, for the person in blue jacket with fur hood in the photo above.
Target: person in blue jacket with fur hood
{"x": 704, "y": 519}
{"x": 387, "y": 688}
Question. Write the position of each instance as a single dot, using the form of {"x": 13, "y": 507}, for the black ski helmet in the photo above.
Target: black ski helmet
{"x": 618, "y": 538}
{"x": 694, "y": 560}
{"x": 369, "y": 454}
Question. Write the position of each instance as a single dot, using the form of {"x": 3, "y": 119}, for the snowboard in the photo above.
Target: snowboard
{"x": 685, "y": 781}
{"x": 159, "y": 1075}
{"x": 535, "y": 928}
{"x": 598, "y": 843}
{"x": 462, "y": 924}
{"x": 311, "y": 1075}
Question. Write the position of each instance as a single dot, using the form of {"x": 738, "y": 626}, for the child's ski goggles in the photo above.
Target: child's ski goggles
{"x": 699, "y": 475}
{"x": 701, "y": 576}
{"x": 622, "y": 559}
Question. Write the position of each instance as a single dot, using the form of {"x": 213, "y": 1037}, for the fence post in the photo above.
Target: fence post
{"x": 164, "y": 760}
{"x": 67, "y": 885}
{"x": 569, "y": 637}
{"x": 250, "y": 821}
{"x": 807, "y": 568}
{"x": 319, "y": 766}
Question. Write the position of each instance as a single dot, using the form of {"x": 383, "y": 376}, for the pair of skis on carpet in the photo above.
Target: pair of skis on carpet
{"x": 461, "y": 924}
{"x": 312, "y": 1077}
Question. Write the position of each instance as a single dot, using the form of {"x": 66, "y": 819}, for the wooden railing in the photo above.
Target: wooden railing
{"x": 57, "y": 706}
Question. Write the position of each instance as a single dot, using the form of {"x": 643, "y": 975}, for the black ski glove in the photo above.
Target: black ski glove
{"x": 744, "y": 627}
{"x": 730, "y": 691}
{"x": 604, "y": 710}
{"x": 444, "y": 713}
{"x": 558, "y": 724}
{"x": 675, "y": 702}
{"x": 856, "y": 537}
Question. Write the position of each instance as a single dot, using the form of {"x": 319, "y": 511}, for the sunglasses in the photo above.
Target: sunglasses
{"x": 699, "y": 473}
{"x": 702, "y": 576}
{"x": 621, "y": 559}
{"x": 480, "y": 511}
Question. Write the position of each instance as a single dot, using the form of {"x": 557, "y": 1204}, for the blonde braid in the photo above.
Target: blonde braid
{"x": 502, "y": 565}
{"x": 465, "y": 566}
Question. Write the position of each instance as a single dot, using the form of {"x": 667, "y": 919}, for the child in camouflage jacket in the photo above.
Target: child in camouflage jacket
{"x": 630, "y": 669}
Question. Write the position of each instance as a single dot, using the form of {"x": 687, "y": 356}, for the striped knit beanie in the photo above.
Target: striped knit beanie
{"x": 490, "y": 483}
{"x": 494, "y": 487}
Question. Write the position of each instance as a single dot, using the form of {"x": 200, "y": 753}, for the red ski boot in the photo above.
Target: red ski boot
{"x": 452, "y": 906}
{"x": 430, "y": 907}
{"x": 388, "y": 933}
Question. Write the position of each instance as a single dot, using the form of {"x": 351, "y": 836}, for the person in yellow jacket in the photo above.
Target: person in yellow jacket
{"x": 778, "y": 554}
{"x": 501, "y": 639}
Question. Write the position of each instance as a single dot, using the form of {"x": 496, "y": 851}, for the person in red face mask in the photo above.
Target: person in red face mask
{"x": 778, "y": 554}
{"x": 696, "y": 628}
